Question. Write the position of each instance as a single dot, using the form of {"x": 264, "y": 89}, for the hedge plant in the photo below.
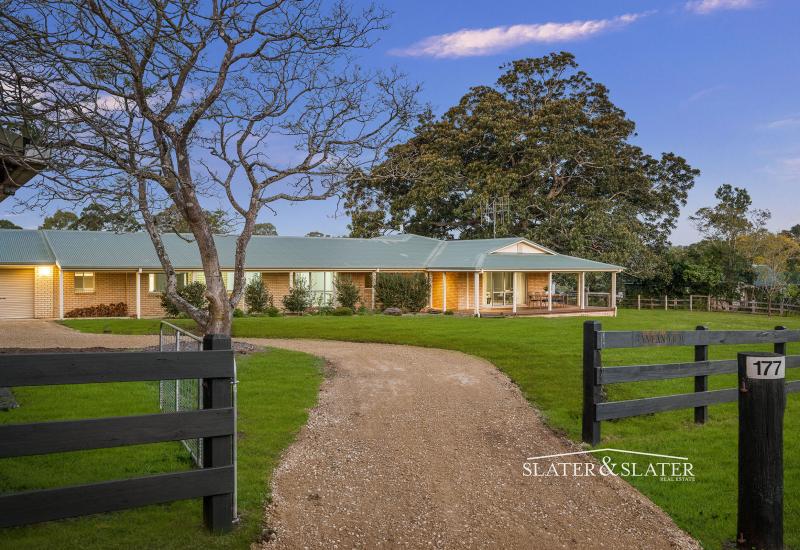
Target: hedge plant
{"x": 256, "y": 296}
{"x": 194, "y": 293}
{"x": 408, "y": 292}
{"x": 298, "y": 299}
{"x": 347, "y": 293}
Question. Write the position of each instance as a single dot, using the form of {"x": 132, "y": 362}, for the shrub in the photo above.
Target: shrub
{"x": 362, "y": 310}
{"x": 272, "y": 311}
{"x": 299, "y": 298}
{"x": 396, "y": 311}
{"x": 342, "y": 311}
{"x": 238, "y": 312}
{"x": 405, "y": 291}
{"x": 101, "y": 310}
{"x": 347, "y": 294}
{"x": 194, "y": 293}
{"x": 256, "y": 296}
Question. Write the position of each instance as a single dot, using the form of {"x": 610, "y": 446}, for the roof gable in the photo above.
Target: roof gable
{"x": 523, "y": 246}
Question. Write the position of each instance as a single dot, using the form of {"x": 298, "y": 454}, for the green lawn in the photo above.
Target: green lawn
{"x": 543, "y": 356}
{"x": 276, "y": 390}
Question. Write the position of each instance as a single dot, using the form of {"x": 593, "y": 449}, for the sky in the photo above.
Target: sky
{"x": 715, "y": 81}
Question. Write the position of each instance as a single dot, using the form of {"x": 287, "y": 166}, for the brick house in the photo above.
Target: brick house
{"x": 46, "y": 273}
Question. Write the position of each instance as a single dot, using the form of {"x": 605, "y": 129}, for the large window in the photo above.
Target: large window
{"x": 157, "y": 282}
{"x": 499, "y": 288}
{"x": 227, "y": 278}
{"x": 84, "y": 282}
{"x": 320, "y": 283}
{"x": 250, "y": 276}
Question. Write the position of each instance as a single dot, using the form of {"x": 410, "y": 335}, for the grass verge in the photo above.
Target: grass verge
{"x": 276, "y": 389}
{"x": 543, "y": 356}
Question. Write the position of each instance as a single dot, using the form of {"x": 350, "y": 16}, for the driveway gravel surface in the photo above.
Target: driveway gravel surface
{"x": 424, "y": 448}
{"x": 48, "y": 334}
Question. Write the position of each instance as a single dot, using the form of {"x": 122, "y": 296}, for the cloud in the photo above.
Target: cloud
{"x": 784, "y": 122}
{"x": 697, "y": 96}
{"x": 785, "y": 168}
{"x": 709, "y": 6}
{"x": 477, "y": 42}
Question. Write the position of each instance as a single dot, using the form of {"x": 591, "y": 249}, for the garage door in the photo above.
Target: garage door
{"x": 16, "y": 293}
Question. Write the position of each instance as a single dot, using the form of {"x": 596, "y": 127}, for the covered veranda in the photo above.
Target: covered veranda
{"x": 525, "y": 293}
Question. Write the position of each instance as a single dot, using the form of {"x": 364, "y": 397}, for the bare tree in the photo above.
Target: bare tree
{"x": 152, "y": 103}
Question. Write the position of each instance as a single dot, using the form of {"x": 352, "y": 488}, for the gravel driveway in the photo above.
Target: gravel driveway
{"x": 48, "y": 334}
{"x": 417, "y": 448}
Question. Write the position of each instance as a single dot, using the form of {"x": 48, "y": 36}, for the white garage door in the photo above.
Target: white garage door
{"x": 16, "y": 293}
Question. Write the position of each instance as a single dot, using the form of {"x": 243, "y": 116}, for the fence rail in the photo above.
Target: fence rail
{"x": 215, "y": 423}
{"x": 595, "y": 376}
{"x": 700, "y": 302}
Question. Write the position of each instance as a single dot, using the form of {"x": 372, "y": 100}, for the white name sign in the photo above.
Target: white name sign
{"x": 766, "y": 367}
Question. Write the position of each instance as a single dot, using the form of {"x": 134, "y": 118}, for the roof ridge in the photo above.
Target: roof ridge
{"x": 43, "y": 235}
{"x": 434, "y": 253}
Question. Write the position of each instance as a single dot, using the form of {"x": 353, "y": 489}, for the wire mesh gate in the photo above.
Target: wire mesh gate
{"x": 181, "y": 395}
{"x": 187, "y": 395}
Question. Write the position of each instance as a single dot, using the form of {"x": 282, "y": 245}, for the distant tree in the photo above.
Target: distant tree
{"x": 549, "y": 142}
{"x": 97, "y": 217}
{"x": 94, "y": 217}
{"x": 7, "y": 224}
{"x": 725, "y": 225}
{"x": 316, "y": 234}
{"x": 171, "y": 221}
{"x": 60, "y": 219}
{"x": 732, "y": 217}
{"x": 793, "y": 232}
{"x": 773, "y": 252}
{"x": 699, "y": 268}
{"x": 264, "y": 229}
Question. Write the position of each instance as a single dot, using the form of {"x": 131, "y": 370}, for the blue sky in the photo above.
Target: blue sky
{"x": 716, "y": 81}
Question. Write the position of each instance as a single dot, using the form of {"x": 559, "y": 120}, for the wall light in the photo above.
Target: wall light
{"x": 44, "y": 271}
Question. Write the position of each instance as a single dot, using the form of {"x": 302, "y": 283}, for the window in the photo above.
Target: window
{"x": 157, "y": 282}
{"x": 368, "y": 280}
{"x": 84, "y": 282}
{"x": 227, "y": 278}
{"x": 320, "y": 283}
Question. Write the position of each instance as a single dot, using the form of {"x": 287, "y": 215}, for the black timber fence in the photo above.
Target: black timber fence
{"x": 214, "y": 423}
{"x": 595, "y": 376}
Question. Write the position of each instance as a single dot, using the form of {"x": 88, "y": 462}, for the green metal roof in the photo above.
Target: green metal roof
{"x": 104, "y": 250}
{"x": 24, "y": 247}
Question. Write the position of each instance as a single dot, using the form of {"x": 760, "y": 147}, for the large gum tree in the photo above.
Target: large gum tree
{"x": 147, "y": 105}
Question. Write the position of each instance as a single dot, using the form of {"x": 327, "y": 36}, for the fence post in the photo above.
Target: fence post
{"x": 780, "y": 347}
{"x": 592, "y": 391}
{"x": 666, "y": 302}
{"x": 701, "y": 382}
{"x": 638, "y": 301}
{"x": 690, "y": 301}
{"x": 217, "y": 451}
{"x": 709, "y": 302}
{"x": 762, "y": 400}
